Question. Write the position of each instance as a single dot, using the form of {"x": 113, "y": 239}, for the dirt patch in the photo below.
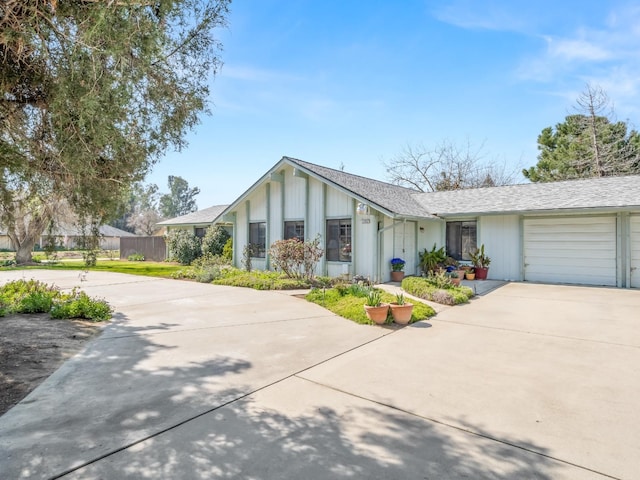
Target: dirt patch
{"x": 32, "y": 347}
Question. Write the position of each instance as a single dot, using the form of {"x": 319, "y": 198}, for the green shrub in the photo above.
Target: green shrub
{"x": 204, "y": 269}
{"x": 33, "y": 296}
{"x": 215, "y": 239}
{"x": 27, "y": 296}
{"x": 259, "y": 280}
{"x": 136, "y": 257}
{"x": 428, "y": 289}
{"x": 227, "y": 251}
{"x": 184, "y": 247}
{"x": 78, "y": 304}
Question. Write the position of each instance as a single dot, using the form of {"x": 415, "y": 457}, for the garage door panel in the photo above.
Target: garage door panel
{"x": 571, "y": 250}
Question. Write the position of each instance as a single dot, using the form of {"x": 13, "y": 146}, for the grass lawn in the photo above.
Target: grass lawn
{"x": 149, "y": 269}
{"x": 352, "y": 306}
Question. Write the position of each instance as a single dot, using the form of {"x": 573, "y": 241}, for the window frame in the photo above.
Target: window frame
{"x": 342, "y": 252}
{"x": 260, "y": 230}
{"x": 296, "y": 225}
{"x": 466, "y": 242}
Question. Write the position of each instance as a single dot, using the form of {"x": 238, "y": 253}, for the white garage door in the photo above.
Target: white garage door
{"x": 570, "y": 250}
{"x": 635, "y": 251}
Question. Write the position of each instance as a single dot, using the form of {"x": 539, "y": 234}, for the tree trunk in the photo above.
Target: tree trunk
{"x": 23, "y": 251}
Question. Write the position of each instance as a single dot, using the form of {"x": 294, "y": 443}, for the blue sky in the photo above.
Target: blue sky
{"x": 351, "y": 82}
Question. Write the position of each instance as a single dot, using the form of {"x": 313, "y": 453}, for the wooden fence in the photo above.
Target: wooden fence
{"x": 153, "y": 248}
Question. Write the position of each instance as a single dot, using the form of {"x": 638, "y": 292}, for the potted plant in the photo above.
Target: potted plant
{"x": 480, "y": 263}
{"x": 401, "y": 310}
{"x": 431, "y": 261}
{"x": 374, "y": 308}
{"x": 468, "y": 272}
{"x": 397, "y": 267}
{"x": 454, "y": 276}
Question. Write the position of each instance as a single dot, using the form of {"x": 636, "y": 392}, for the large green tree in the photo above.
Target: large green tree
{"x": 587, "y": 144}
{"x": 180, "y": 200}
{"x": 92, "y": 93}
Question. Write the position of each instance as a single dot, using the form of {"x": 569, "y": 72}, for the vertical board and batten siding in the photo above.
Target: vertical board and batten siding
{"x": 570, "y": 250}
{"x": 500, "y": 235}
{"x": 634, "y": 234}
{"x": 276, "y": 227}
{"x": 340, "y": 205}
{"x": 366, "y": 228}
{"x": 404, "y": 245}
{"x": 258, "y": 204}
{"x": 295, "y": 196}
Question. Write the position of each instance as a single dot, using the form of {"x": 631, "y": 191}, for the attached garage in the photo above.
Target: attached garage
{"x": 635, "y": 250}
{"x": 577, "y": 249}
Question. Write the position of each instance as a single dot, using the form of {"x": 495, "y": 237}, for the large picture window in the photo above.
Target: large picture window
{"x": 294, "y": 230}
{"x": 338, "y": 248}
{"x": 461, "y": 239}
{"x": 258, "y": 239}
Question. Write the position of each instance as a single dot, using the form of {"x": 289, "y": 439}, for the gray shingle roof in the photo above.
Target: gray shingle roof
{"x": 607, "y": 192}
{"x": 393, "y": 198}
{"x": 206, "y": 215}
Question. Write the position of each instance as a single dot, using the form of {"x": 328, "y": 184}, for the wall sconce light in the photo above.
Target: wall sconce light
{"x": 362, "y": 209}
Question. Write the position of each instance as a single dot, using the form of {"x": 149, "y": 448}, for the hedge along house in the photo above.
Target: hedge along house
{"x": 581, "y": 231}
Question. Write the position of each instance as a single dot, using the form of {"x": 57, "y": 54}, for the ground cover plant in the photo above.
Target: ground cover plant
{"x": 260, "y": 280}
{"x": 437, "y": 288}
{"x": 33, "y": 296}
{"x": 348, "y": 302}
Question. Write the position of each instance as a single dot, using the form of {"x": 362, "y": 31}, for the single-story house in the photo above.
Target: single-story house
{"x": 69, "y": 236}
{"x": 195, "y": 222}
{"x": 581, "y": 231}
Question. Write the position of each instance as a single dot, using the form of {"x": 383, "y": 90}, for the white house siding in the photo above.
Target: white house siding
{"x": 295, "y": 196}
{"x": 366, "y": 231}
{"x": 276, "y": 222}
{"x": 635, "y": 250}
{"x": 404, "y": 245}
{"x": 500, "y": 235}
{"x": 258, "y": 203}
{"x": 570, "y": 250}
{"x": 430, "y": 232}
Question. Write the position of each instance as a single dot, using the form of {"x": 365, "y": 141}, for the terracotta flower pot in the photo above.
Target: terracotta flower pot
{"x": 470, "y": 276}
{"x": 481, "y": 273}
{"x": 377, "y": 314}
{"x": 401, "y": 313}
{"x": 396, "y": 276}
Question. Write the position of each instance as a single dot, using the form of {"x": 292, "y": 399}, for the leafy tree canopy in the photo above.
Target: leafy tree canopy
{"x": 587, "y": 144}
{"x": 93, "y": 92}
{"x": 180, "y": 200}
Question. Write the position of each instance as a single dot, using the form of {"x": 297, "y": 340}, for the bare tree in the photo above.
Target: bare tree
{"x": 144, "y": 222}
{"x": 447, "y": 166}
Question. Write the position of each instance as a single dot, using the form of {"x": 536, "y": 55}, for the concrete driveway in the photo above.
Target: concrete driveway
{"x": 196, "y": 381}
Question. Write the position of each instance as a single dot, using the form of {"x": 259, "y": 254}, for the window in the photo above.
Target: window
{"x": 461, "y": 239}
{"x": 200, "y": 232}
{"x": 338, "y": 246}
{"x": 258, "y": 239}
{"x": 294, "y": 230}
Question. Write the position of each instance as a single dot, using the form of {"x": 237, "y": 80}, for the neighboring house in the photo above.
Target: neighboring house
{"x": 196, "y": 222}
{"x": 581, "y": 231}
{"x": 69, "y": 236}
